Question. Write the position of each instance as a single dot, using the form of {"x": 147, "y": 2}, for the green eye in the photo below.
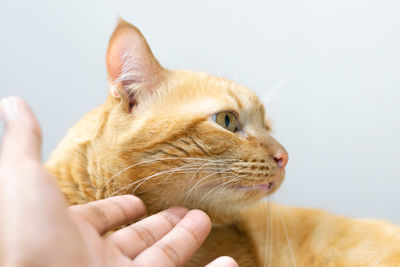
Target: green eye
{"x": 227, "y": 120}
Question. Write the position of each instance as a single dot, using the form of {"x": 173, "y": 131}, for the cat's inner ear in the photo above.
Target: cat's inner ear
{"x": 133, "y": 71}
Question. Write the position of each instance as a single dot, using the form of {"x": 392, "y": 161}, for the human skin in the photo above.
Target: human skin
{"x": 38, "y": 229}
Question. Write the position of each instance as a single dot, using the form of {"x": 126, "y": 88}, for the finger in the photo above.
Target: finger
{"x": 135, "y": 238}
{"x": 107, "y": 214}
{"x": 179, "y": 244}
{"x": 22, "y": 135}
{"x": 224, "y": 261}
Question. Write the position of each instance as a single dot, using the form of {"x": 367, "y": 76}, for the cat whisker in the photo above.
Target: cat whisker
{"x": 201, "y": 168}
{"x": 271, "y": 232}
{"x": 142, "y": 180}
{"x": 271, "y": 92}
{"x": 217, "y": 209}
{"x": 190, "y": 173}
{"x": 216, "y": 179}
{"x": 221, "y": 185}
{"x": 178, "y": 169}
{"x": 154, "y": 175}
{"x": 151, "y": 177}
{"x": 244, "y": 190}
{"x": 278, "y": 221}
{"x": 266, "y": 235}
{"x": 237, "y": 178}
{"x": 107, "y": 181}
{"x": 282, "y": 219}
{"x": 199, "y": 182}
{"x": 171, "y": 171}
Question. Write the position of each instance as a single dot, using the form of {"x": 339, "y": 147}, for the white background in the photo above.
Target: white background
{"x": 328, "y": 71}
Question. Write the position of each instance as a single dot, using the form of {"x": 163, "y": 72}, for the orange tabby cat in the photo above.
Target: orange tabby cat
{"x": 189, "y": 139}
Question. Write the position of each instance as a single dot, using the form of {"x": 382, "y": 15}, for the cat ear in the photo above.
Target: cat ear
{"x": 132, "y": 69}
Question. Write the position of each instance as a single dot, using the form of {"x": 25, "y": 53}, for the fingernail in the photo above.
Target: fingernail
{"x": 8, "y": 108}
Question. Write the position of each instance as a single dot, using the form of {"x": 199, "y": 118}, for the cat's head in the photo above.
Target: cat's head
{"x": 183, "y": 137}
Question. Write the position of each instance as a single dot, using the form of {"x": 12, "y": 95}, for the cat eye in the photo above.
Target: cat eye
{"x": 227, "y": 120}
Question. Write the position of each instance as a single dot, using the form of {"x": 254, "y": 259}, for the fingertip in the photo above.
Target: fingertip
{"x": 22, "y": 136}
{"x": 225, "y": 261}
{"x": 9, "y": 108}
{"x": 15, "y": 109}
{"x": 199, "y": 221}
{"x": 203, "y": 217}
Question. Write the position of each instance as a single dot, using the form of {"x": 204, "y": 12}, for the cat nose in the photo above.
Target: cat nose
{"x": 281, "y": 157}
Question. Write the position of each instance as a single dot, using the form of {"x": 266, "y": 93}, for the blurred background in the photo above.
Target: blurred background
{"x": 328, "y": 72}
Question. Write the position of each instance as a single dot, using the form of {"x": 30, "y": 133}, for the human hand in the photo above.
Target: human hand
{"x": 38, "y": 229}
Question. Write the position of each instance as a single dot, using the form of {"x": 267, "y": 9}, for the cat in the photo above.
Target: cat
{"x": 185, "y": 138}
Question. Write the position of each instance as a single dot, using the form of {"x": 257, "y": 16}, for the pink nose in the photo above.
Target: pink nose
{"x": 281, "y": 157}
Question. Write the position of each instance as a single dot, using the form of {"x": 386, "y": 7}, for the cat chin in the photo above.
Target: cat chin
{"x": 229, "y": 212}
{"x": 226, "y": 207}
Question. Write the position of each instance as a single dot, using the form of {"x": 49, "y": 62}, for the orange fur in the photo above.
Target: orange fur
{"x": 155, "y": 137}
{"x": 316, "y": 238}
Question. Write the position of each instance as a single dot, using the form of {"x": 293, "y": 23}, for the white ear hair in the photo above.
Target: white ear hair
{"x": 113, "y": 89}
{"x": 136, "y": 70}
{"x": 131, "y": 65}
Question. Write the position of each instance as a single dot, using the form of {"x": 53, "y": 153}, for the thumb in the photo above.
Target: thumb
{"x": 22, "y": 135}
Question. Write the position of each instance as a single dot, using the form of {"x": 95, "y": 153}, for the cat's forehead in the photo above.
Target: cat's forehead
{"x": 188, "y": 86}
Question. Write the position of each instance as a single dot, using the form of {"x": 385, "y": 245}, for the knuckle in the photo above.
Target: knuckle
{"x": 122, "y": 209}
{"x": 100, "y": 215}
{"x": 167, "y": 219}
{"x": 129, "y": 207}
{"x": 191, "y": 233}
{"x": 126, "y": 204}
{"x": 144, "y": 234}
{"x": 170, "y": 252}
